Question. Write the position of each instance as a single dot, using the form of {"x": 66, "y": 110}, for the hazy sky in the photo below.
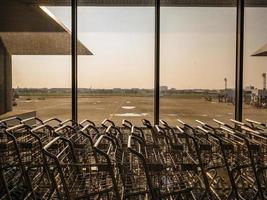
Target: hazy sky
{"x": 197, "y": 49}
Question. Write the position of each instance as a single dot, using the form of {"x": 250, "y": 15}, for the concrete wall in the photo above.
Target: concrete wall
{"x": 5, "y": 80}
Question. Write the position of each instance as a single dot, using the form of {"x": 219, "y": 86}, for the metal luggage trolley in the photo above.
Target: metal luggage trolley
{"x": 220, "y": 178}
{"x": 31, "y": 168}
{"x": 134, "y": 176}
{"x": 242, "y": 162}
{"x": 109, "y": 152}
{"x": 197, "y": 156}
{"x": 261, "y": 160}
{"x": 175, "y": 138}
{"x": 82, "y": 140}
{"x": 185, "y": 163}
{"x": 161, "y": 182}
{"x": 4, "y": 170}
{"x": 75, "y": 180}
{"x": 41, "y": 182}
{"x": 151, "y": 134}
{"x": 14, "y": 160}
{"x": 256, "y": 138}
{"x": 145, "y": 132}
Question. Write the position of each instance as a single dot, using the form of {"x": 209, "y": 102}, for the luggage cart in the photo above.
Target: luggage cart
{"x": 199, "y": 151}
{"x": 161, "y": 182}
{"x": 13, "y": 160}
{"x": 242, "y": 163}
{"x": 75, "y": 180}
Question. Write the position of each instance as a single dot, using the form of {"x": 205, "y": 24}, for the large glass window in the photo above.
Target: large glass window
{"x": 197, "y": 63}
{"x": 116, "y": 82}
{"x": 255, "y": 64}
{"x": 39, "y": 47}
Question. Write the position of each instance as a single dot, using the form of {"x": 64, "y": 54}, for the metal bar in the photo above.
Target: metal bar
{"x": 74, "y": 86}
{"x": 239, "y": 60}
{"x": 157, "y": 63}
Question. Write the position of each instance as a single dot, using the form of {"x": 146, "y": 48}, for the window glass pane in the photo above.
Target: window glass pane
{"x": 197, "y": 59}
{"x": 255, "y": 63}
{"x": 116, "y": 81}
{"x": 38, "y": 45}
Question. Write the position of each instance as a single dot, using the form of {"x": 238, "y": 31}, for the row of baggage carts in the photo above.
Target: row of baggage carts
{"x": 55, "y": 159}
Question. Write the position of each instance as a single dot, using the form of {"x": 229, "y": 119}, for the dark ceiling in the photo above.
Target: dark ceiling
{"x": 177, "y": 3}
{"x": 28, "y": 30}
{"x": 16, "y": 16}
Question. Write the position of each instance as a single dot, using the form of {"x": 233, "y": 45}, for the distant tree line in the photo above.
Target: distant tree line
{"x": 114, "y": 91}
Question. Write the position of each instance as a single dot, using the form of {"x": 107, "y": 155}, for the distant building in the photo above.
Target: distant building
{"x": 117, "y": 89}
{"x": 249, "y": 88}
{"x": 259, "y": 98}
{"x": 261, "y": 94}
{"x": 163, "y": 88}
{"x": 227, "y": 95}
{"x": 248, "y": 94}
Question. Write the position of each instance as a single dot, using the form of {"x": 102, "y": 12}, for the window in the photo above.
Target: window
{"x": 255, "y": 93}
{"x": 116, "y": 82}
{"x": 197, "y": 63}
{"x": 40, "y": 60}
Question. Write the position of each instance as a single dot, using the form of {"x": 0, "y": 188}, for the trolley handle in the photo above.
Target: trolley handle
{"x": 67, "y": 121}
{"x": 89, "y": 126}
{"x": 32, "y": 118}
{"x": 227, "y": 130}
{"x": 255, "y": 134}
{"x": 188, "y": 135}
{"x": 179, "y": 129}
{"x": 237, "y": 122}
{"x": 134, "y": 132}
{"x": 87, "y": 136}
{"x": 10, "y": 119}
{"x": 219, "y": 122}
{"x": 19, "y": 126}
{"x": 202, "y": 129}
{"x": 127, "y": 123}
{"x": 100, "y": 151}
{"x": 109, "y": 130}
{"x": 52, "y": 119}
{"x": 96, "y": 145}
{"x": 114, "y": 137}
{"x": 64, "y": 127}
{"x": 129, "y": 146}
{"x": 51, "y": 143}
{"x": 245, "y": 128}
{"x": 222, "y": 124}
{"x": 181, "y": 122}
{"x": 235, "y": 135}
{"x": 204, "y": 125}
{"x": 186, "y": 125}
{"x": 164, "y": 123}
{"x": 146, "y": 123}
{"x": 200, "y": 122}
{"x": 256, "y": 122}
{"x": 87, "y": 121}
{"x": 41, "y": 127}
{"x": 107, "y": 121}
{"x": 160, "y": 130}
